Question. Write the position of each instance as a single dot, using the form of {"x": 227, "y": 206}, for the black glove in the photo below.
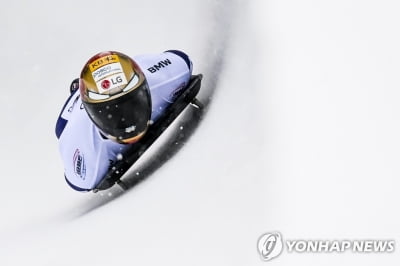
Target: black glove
{"x": 74, "y": 85}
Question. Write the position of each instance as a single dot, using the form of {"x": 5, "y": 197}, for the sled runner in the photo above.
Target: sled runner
{"x": 133, "y": 153}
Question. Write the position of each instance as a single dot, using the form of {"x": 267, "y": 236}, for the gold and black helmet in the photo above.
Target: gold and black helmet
{"x": 116, "y": 96}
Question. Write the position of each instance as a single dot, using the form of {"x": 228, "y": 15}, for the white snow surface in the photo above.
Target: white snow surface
{"x": 301, "y": 133}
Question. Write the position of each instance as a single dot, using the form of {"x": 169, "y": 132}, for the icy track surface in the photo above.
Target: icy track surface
{"x": 300, "y": 134}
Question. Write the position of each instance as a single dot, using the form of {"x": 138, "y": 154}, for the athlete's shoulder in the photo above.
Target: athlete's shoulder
{"x": 66, "y": 111}
{"x": 182, "y": 55}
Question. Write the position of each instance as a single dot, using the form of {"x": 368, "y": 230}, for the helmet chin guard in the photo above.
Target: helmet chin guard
{"x": 116, "y": 96}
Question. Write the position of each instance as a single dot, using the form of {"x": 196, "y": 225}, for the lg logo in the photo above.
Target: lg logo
{"x": 270, "y": 245}
{"x": 107, "y": 83}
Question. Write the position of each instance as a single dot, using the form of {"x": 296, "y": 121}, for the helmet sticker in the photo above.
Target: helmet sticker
{"x": 108, "y": 73}
{"x": 102, "y": 61}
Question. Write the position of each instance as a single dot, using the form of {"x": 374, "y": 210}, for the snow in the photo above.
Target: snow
{"x": 300, "y": 136}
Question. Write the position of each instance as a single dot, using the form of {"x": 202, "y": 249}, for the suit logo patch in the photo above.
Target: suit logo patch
{"x": 79, "y": 164}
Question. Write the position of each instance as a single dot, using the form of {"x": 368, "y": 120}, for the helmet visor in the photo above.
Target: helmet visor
{"x": 124, "y": 118}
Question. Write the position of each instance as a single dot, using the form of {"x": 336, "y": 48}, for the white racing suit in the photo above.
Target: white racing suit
{"x": 86, "y": 154}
